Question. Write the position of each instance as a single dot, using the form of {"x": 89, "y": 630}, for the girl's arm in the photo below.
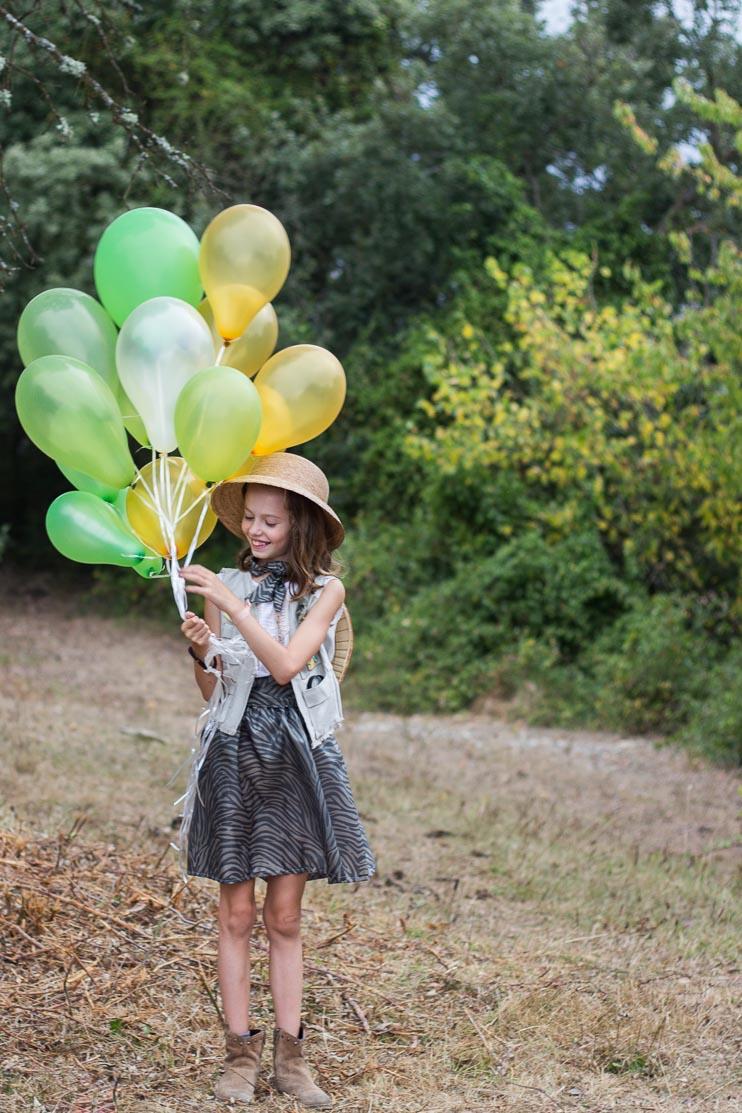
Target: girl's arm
{"x": 282, "y": 661}
{"x": 198, "y": 631}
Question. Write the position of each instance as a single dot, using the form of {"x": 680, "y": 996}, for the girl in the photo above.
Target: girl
{"x": 273, "y": 797}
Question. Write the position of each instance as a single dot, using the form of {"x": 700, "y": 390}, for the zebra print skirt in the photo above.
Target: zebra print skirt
{"x": 268, "y": 804}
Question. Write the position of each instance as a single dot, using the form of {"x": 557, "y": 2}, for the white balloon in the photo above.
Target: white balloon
{"x": 162, "y": 344}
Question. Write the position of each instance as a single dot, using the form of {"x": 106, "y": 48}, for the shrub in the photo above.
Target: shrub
{"x": 648, "y": 666}
{"x": 714, "y": 726}
{"x": 440, "y": 650}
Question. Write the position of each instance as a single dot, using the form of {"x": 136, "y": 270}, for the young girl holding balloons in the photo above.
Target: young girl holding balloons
{"x": 273, "y": 798}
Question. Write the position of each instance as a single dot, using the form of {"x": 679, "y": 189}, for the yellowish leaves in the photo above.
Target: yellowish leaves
{"x": 606, "y": 399}
{"x": 624, "y": 113}
{"x": 496, "y": 273}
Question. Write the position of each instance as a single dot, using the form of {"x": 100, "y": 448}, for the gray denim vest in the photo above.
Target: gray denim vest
{"x": 318, "y": 700}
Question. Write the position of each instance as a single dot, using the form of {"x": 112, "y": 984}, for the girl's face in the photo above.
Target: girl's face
{"x": 266, "y": 523}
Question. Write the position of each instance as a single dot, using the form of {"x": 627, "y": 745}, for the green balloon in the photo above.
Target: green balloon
{"x": 217, "y": 421}
{"x": 68, "y": 322}
{"x": 132, "y": 421}
{"x": 146, "y": 253}
{"x": 84, "y": 528}
{"x": 70, "y": 414}
{"x": 119, "y": 504}
{"x": 85, "y": 482}
{"x": 149, "y": 567}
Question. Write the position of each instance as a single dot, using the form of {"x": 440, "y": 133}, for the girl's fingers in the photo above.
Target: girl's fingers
{"x": 195, "y": 572}
{"x": 195, "y": 626}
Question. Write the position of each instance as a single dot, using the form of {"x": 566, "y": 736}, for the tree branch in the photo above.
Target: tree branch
{"x": 146, "y": 140}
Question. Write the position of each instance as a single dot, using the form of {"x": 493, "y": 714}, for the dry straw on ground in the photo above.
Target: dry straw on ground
{"x": 111, "y": 999}
{"x": 553, "y": 925}
{"x": 110, "y": 1003}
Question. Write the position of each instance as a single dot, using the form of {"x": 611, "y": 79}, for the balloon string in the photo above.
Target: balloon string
{"x": 171, "y": 562}
{"x": 222, "y": 352}
{"x": 165, "y": 473}
{"x": 194, "y": 540}
{"x": 170, "y": 515}
{"x": 166, "y": 500}
{"x": 179, "y": 493}
{"x": 160, "y": 481}
{"x": 192, "y": 506}
{"x": 148, "y": 490}
{"x": 154, "y": 499}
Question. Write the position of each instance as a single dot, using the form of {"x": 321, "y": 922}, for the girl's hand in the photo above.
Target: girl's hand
{"x": 200, "y": 581}
{"x": 197, "y": 631}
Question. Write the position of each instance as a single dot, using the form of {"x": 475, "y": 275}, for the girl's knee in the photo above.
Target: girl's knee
{"x": 237, "y": 911}
{"x": 282, "y": 921}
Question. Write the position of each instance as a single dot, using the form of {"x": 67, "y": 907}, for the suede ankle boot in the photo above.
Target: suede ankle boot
{"x": 292, "y": 1073}
{"x": 240, "y": 1076}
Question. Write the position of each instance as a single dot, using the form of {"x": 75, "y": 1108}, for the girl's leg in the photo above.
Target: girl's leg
{"x": 282, "y": 917}
{"x": 236, "y": 921}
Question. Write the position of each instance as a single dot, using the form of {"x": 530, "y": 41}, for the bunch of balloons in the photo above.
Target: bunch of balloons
{"x": 180, "y": 372}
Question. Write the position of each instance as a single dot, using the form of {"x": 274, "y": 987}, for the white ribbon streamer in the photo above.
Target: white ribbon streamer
{"x": 235, "y": 652}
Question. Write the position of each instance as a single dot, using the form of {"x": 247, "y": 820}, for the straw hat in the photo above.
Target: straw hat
{"x": 280, "y": 469}
{"x": 343, "y": 644}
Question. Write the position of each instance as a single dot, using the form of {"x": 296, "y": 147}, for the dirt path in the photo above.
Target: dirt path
{"x": 552, "y": 925}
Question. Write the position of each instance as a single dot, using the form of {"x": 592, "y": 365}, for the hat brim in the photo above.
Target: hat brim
{"x": 228, "y": 504}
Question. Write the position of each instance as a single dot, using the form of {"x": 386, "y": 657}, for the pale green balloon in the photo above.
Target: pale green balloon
{"x": 162, "y": 344}
{"x": 67, "y": 322}
{"x": 132, "y": 421}
{"x": 85, "y": 482}
{"x": 68, "y": 412}
{"x": 86, "y": 529}
{"x": 217, "y": 421}
{"x": 119, "y": 504}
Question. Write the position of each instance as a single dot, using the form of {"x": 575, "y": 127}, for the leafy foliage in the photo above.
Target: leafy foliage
{"x": 448, "y": 639}
{"x": 617, "y": 414}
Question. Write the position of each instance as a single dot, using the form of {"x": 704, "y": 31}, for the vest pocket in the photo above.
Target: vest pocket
{"x": 318, "y": 692}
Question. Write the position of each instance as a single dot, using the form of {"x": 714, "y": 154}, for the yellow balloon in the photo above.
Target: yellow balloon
{"x": 302, "y": 390}
{"x": 248, "y": 352}
{"x": 244, "y": 260}
{"x": 276, "y": 415}
{"x": 160, "y": 484}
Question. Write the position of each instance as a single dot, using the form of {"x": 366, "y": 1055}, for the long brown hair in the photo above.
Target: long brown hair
{"x": 309, "y": 553}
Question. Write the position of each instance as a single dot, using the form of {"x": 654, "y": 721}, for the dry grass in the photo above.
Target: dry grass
{"x": 552, "y": 926}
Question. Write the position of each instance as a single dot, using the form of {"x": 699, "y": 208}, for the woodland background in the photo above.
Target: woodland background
{"x": 522, "y": 247}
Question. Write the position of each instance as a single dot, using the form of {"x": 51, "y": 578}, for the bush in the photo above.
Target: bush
{"x": 714, "y": 727}
{"x": 384, "y": 563}
{"x": 649, "y": 666}
{"x": 441, "y": 650}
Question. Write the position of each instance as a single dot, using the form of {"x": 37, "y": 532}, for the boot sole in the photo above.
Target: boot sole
{"x": 286, "y": 1093}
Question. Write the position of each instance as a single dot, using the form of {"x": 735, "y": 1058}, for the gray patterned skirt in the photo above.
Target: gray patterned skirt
{"x": 268, "y": 804}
